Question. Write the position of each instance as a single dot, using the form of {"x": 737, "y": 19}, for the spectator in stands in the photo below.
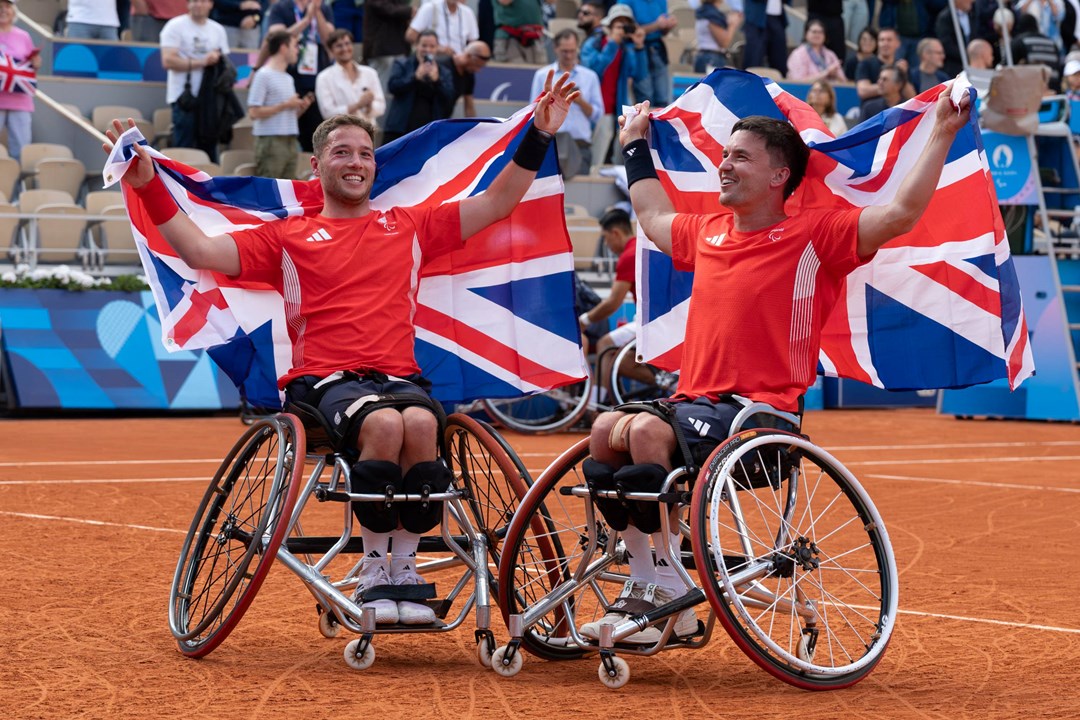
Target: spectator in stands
{"x": 385, "y": 25}
{"x": 971, "y": 26}
{"x": 831, "y": 15}
{"x": 866, "y": 47}
{"x": 453, "y": 22}
{"x": 16, "y": 108}
{"x": 980, "y": 54}
{"x": 1048, "y": 15}
{"x": 349, "y": 15}
{"x": 275, "y": 108}
{"x": 766, "y": 35}
{"x": 812, "y": 60}
{"x": 653, "y": 16}
{"x": 869, "y": 70}
{"x": 587, "y": 108}
{"x": 714, "y": 32}
{"x": 420, "y": 87}
{"x": 308, "y": 21}
{"x": 92, "y": 20}
{"x": 519, "y": 32}
{"x": 589, "y": 19}
{"x": 242, "y": 20}
{"x": 822, "y": 98}
{"x": 891, "y": 83}
{"x": 619, "y": 236}
{"x": 190, "y": 43}
{"x": 617, "y": 57}
{"x": 1071, "y": 81}
{"x": 148, "y": 18}
{"x": 463, "y": 67}
{"x": 856, "y": 15}
{"x": 1031, "y": 46}
{"x": 931, "y": 59}
{"x": 347, "y": 87}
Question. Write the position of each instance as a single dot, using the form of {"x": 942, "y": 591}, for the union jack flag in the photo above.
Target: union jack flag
{"x": 495, "y": 319}
{"x": 17, "y": 76}
{"x": 938, "y": 307}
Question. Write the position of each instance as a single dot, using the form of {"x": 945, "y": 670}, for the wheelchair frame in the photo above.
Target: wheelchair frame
{"x": 762, "y": 566}
{"x": 233, "y": 539}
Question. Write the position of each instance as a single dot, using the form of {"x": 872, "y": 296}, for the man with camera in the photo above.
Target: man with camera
{"x": 421, "y": 91}
{"x": 616, "y": 57}
{"x": 275, "y": 108}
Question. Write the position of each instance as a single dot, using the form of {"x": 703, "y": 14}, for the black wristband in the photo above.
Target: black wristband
{"x": 638, "y": 161}
{"x": 533, "y": 149}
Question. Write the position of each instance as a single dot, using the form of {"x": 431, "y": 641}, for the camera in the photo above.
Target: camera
{"x": 629, "y": 27}
{"x": 429, "y": 58}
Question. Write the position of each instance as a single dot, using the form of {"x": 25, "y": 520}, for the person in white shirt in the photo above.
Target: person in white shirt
{"x": 589, "y": 105}
{"x": 454, "y": 23}
{"x": 190, "y": 43}
{"x": 92, "y": 20}
{"x": 346, "y": 87}
{"x": 274, "y": 107}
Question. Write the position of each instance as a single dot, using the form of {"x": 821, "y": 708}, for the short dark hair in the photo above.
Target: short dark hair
{"x": 332, "y": 123}
{"x": 616, "y": 218}
{"x": 783, "y": 143}
{"x": 333, "y": 37}
{"x": 276, "y": 39}
{"x": 425, "y": 33}
{"x": 565, "y": 33}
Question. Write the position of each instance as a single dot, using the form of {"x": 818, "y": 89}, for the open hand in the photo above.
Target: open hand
{"x": 141, "y": 170}
{"x": 554, "y": 103}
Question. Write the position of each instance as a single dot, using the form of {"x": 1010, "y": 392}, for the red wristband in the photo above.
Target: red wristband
{"x": 159, "y": 204}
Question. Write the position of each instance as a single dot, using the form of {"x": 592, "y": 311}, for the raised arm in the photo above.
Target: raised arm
{"x": 880, "y": 223}
{"x": 510, "y": 185}
{"x": 196, "y": 248}
{"x": 651, "y": 202}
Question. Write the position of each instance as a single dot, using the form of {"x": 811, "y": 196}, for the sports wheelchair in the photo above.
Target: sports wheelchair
{"x": 790, "y": 552}
{"x": 251, "y": 512}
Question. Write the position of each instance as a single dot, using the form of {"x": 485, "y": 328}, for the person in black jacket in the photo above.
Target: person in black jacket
{"x": 218, "y": 108}
{"x": 422, "y": 89}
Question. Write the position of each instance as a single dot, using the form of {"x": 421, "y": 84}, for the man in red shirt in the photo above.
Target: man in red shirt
{"x": 349, "y": 279}
{"x": 764, "y": 283}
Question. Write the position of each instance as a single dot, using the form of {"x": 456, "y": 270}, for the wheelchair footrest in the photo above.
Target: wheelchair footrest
{"x": 413, "y": 593}
{"x": 312, "y": 544}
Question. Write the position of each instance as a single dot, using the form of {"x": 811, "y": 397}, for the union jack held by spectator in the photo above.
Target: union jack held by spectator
{"x": 17, "y": 76}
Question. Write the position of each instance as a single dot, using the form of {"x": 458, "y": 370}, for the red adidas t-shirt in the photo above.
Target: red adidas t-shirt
{"x": 626, "y": 265}
{"x": 349, "y": 284}
{"x": 759, "y": 301}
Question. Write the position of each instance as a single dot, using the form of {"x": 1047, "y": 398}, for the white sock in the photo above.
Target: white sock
{"x": 404, "y": 555}
{"x": 639, "y": 554}
{"x": 665, "y": 563}
{"x": 375, "y": 547}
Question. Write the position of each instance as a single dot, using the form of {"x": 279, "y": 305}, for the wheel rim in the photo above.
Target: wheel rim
{"x": 544, "y": 412}
{"x": 819, "y": 548}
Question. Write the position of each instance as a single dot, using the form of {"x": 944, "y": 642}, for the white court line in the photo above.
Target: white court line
{"x": 1006, "y": 623}
{"x": 102, "y": 523}
{"x": 953, "y": 461}
{"x": 930, "y": 446}
{"x": 982, "y": 483}
{"x": 106, "y": 481}
{"x": 61, "y": 463}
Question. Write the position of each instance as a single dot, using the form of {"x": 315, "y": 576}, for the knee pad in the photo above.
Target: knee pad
{"x": 430, "y": 478}
{"x": 599, "y": 476}
{"x": 376, "y": 477}
{"x": 645, "y": 478}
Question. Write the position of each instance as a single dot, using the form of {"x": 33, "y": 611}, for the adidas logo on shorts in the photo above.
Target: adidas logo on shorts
{"x": 701, "y": 426}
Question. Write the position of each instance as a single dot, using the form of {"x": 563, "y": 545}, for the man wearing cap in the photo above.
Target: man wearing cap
{"x": 586, "y": 110}
{"x": 616, "y": 57}
{"x": 16, "y": 108}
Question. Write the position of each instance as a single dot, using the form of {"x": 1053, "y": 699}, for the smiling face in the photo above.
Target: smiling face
{"x": 342, "y": 50}
{"x": 346, "y": 166}
{"x": 748, "y": 173}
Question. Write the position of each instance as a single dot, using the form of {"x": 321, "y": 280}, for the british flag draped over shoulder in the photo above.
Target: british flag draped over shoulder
{"x": 938, "y": 307}
{"x": 495, "y": 319}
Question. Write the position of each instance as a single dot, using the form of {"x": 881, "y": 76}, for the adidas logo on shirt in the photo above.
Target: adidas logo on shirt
{"x": 715, "y": 240}
{"x": 701, "y": 426}
{"x": 319, "y": 236}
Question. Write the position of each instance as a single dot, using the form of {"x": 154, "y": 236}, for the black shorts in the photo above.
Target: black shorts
{"x": 706, "y": 424}
{"x": 345, "y": 398}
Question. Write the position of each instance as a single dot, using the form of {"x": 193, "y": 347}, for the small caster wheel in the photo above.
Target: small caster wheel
{"x": 364, "y": 661}
{"x": 328, "y": 624}
{"x": 506, "y": 669}
{"x": 483, "y": 653}
{"x": 803, "y": 651}
{"x": 621, "y": 671}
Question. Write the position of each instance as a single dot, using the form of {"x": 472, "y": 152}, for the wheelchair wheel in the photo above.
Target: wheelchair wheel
{"x": 626, "y": 389}
{"x": 554, "y": 537}
{"x": 794, "y": 559}
{"x": 235, "y": 535}
{"x": 491, "y": 474}
{"x": 548, "y": 412}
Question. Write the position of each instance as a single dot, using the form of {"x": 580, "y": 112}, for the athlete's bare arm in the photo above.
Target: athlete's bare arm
{"x": 194, "y": 247}
{"x": 507, "y": 189}
{"x": 651, "y": 202}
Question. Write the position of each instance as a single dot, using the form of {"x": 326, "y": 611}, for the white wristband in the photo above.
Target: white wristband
{"x": 583, "y": 318}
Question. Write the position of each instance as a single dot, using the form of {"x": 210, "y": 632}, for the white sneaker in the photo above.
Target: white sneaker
{"x": 686, "y": 624}
{"x": 386, "y": 611}
{"x": 412, "y": 613}
{"x": 631, "y": 589}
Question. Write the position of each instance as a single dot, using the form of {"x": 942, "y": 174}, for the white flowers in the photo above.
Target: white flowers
{"x": 60, "y": 275}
